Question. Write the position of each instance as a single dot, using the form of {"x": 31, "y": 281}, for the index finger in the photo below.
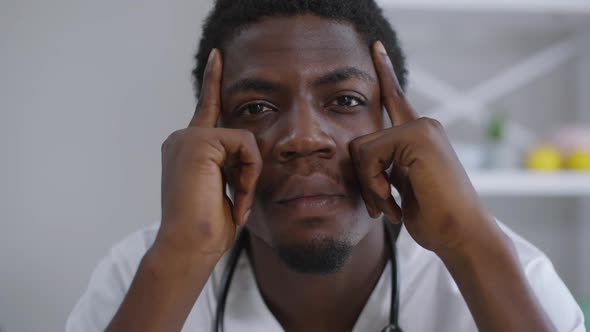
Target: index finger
{"x": 209, "y": 104}
{"x": 399, "y": 110}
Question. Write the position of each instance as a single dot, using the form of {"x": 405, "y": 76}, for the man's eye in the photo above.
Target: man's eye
{"x": 254, "y": 109}
{"x": 347, "y": 101}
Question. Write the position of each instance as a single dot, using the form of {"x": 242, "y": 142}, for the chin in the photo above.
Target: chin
{"x": 319, "y": 244}
{"x": 320, "y": 255}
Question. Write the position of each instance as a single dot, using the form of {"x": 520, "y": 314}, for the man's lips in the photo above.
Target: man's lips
{"x": 309, "y": 198}
{"x": 313, "y": 187}
{"x": 315, "y": 195}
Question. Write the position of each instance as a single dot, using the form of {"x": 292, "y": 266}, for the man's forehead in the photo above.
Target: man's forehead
{"x": 305, "y": 44}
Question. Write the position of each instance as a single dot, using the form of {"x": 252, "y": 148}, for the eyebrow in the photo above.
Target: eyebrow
{"x": 255, "y": 85}
{"x": 266, "y": 86}
{"x": 343, "y": 74}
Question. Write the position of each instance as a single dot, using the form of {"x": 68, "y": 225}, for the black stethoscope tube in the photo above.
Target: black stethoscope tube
{"x": 241, "y": 241}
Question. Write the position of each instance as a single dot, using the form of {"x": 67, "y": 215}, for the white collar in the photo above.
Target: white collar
{"x": 247, "y": 311}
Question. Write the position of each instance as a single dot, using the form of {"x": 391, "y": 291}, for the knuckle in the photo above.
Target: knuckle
{"x": 430, "y": 123}
{"x": 247, "y": 136}
{"x": 190, "y": 139}
{"x": 429, "y": 127}
{"x": 433, "y": 122}
{"x": 244, "y": 136}
{"x": 380, "y": 192}
{"x": 364, "y": 152}
{"x": 171, "y": 139}
{"x": 173, "y": 136}
{"x": 358, "y": 148}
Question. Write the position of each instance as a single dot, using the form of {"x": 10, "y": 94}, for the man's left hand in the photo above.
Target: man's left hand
{"x": 439, "y": 206}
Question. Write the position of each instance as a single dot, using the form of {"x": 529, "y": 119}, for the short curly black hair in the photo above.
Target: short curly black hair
{"x": 228, "y": 16}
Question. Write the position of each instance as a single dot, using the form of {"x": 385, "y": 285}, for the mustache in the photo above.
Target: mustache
{"x": 343, "y": 174}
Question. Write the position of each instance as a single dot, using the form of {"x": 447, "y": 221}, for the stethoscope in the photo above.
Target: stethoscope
{"x": 241, "y": 242}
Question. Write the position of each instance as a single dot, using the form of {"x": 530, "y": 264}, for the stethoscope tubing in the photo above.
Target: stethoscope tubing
{"x": 241, "y": 242}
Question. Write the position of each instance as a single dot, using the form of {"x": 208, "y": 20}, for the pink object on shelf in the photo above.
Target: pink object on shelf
{"x": 571, "y": 138}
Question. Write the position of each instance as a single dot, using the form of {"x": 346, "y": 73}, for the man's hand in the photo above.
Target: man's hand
{"x": 198, "y": 222}
{"x": 440, "y": 208}
{"x": 442, "y": 211}
{"x": 197, "y": 215}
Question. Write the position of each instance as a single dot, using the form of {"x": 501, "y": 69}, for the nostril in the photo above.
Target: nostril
{"x": 288, "y": 155}
{"x": 305, "y": 141}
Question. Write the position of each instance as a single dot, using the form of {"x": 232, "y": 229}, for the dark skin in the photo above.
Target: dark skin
{"x": 303, "y": 128}
{"x": 306, "y": 152}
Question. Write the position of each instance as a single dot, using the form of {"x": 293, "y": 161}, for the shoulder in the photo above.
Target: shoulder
{"x": 528, "y": 254}
{"x": 109, "y": 282}
{"x": 425, "y": 269}
{"x": 551, "y": 291}
{"x": 112, "y": 277}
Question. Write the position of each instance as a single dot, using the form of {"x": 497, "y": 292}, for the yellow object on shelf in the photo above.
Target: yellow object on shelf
{"x": 544, "y": 157}
{"x": 579, "y": 160}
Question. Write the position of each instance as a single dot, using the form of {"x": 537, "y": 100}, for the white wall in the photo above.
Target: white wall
{"x": 89, "y": 90}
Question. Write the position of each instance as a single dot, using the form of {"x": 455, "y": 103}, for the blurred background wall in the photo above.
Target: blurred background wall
{"x": 89, "y": 91}
{"x": 465, "y": 48}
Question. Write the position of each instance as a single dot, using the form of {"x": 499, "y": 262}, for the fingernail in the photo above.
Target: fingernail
{"x": 380, "y": 47}
{"x": 371, "y": 211}
{"x": 211, "y": 55}
{"x": 376, "y": 213}
{"x": 246, "y": 215}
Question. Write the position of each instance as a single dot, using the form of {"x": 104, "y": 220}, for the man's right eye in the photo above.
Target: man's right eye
{"x": 254, "y": 109}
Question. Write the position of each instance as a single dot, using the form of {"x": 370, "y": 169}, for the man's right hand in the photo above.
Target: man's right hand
{"x": 197, "y": 215}
{"x": 198, "y": 221}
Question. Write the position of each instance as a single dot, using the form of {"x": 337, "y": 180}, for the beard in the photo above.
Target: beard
{"x": 322, "y": 255}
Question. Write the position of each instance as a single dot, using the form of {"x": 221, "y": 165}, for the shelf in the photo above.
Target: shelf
{"x": 527, "y": 183}
{"x": 528, "y": 6}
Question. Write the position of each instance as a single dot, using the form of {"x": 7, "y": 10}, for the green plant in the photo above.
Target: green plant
{"x": 586, "y": 311}
{"x": 496, "y": 129}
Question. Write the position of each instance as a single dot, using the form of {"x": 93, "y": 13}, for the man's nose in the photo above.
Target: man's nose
{"x": 303, "y": 135}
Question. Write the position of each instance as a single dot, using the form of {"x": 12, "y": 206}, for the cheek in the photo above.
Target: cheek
{"x": 350, "y": 127}
{"x": 265, "y": 138}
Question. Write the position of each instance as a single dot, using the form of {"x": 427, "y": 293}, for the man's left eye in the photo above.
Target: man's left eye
{"x": 347, "y": 101}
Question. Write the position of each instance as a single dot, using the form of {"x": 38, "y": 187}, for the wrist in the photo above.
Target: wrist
{"x": 487, "y": 243}
{"x": 168, "y": 260}
{"x": 179, "y": 241}
{"x": 488, "y": 273}
{"x": 163, "y": 291}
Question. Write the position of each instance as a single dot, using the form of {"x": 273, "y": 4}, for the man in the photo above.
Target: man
{"x": 295, "y": 103}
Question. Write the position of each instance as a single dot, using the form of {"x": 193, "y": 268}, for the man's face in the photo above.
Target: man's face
{"x": 305, "y": 86}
